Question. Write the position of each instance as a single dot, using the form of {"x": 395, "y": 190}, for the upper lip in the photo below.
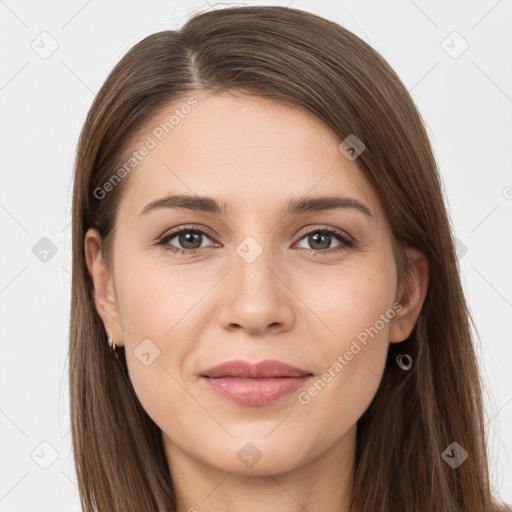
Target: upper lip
{"x": 264, "y": 369}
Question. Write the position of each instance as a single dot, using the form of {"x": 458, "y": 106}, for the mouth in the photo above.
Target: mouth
{"x": 254, "y": 384}
{"x": 264, "y": 369}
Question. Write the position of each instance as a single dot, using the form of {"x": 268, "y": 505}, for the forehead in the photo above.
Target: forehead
{"x": 253, "y": 152}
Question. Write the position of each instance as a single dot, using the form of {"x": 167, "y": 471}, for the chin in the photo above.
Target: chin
{"x": 258, "y": 456}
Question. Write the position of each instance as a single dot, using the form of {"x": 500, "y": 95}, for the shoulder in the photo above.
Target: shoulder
{"x": 503, "y": 507}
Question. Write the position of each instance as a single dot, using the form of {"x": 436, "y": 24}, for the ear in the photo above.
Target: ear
{"x": 104, "y": 295}
{"x": 410, "y": 295}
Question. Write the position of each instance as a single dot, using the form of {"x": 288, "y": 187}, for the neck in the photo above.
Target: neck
{"x": 323, "y": 483}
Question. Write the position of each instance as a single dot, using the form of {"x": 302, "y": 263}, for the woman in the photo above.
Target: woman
{"x": 260, "y": 241}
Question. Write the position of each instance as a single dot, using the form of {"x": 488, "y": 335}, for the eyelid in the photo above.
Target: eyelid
{"x": 305, "y": 231}
{"x": 186, "y": 227}
{"x": 324, "y": 227}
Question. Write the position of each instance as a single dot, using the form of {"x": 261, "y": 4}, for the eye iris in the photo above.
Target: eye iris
{"x": 317, "y": 236}
{"x": 190, "y": 237}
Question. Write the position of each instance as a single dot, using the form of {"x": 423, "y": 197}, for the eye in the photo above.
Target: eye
{"x": 191, "y": 241}
{"x": 320, "y": 240}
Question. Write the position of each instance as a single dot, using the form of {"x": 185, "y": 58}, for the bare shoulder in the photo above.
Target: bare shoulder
{"x": 503, "y": 507}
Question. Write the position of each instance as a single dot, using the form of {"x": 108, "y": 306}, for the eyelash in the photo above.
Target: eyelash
{"x": 346, "y": 242}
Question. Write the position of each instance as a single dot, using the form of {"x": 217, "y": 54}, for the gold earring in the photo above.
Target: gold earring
{"x": 111, "y": 342}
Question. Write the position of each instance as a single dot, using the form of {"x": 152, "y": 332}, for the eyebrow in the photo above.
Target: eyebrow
{"x": 294, "y": 206}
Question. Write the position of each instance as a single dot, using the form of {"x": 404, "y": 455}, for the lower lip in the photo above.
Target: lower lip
{"x": 255, "y": 391}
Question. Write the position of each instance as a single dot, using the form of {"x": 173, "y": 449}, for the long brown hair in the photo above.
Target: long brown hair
{"x": 299, "y": 58}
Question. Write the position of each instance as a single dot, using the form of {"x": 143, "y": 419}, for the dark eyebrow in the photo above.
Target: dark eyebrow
{"x": 320, "y": 204}
{"x": 196, "y": 203}
{"x": 294, "y": 206}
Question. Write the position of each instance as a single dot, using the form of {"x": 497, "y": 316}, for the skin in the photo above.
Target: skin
{"x": 300, "y": 308}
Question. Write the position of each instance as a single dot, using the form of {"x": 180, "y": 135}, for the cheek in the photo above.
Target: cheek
{"x": 161, "y": 314}
{"x": 357, "y": 311}
{"x": 352, "y": 301}
{"x": 156, "y": 300}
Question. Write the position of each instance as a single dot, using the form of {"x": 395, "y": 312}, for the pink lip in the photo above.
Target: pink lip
{"x": 255, "y": 384}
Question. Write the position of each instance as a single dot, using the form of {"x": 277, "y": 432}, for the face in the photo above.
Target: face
{"x": 191, "y": 288}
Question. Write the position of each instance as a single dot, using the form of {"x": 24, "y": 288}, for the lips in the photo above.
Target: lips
{"x": 264, "y": 369}
{"x": 254, "y": 384}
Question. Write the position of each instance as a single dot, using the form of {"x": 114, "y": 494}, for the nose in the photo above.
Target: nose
{"x": 257, "y": 298}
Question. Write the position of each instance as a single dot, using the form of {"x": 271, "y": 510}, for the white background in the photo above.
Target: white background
{"x": 466, "y": 102}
